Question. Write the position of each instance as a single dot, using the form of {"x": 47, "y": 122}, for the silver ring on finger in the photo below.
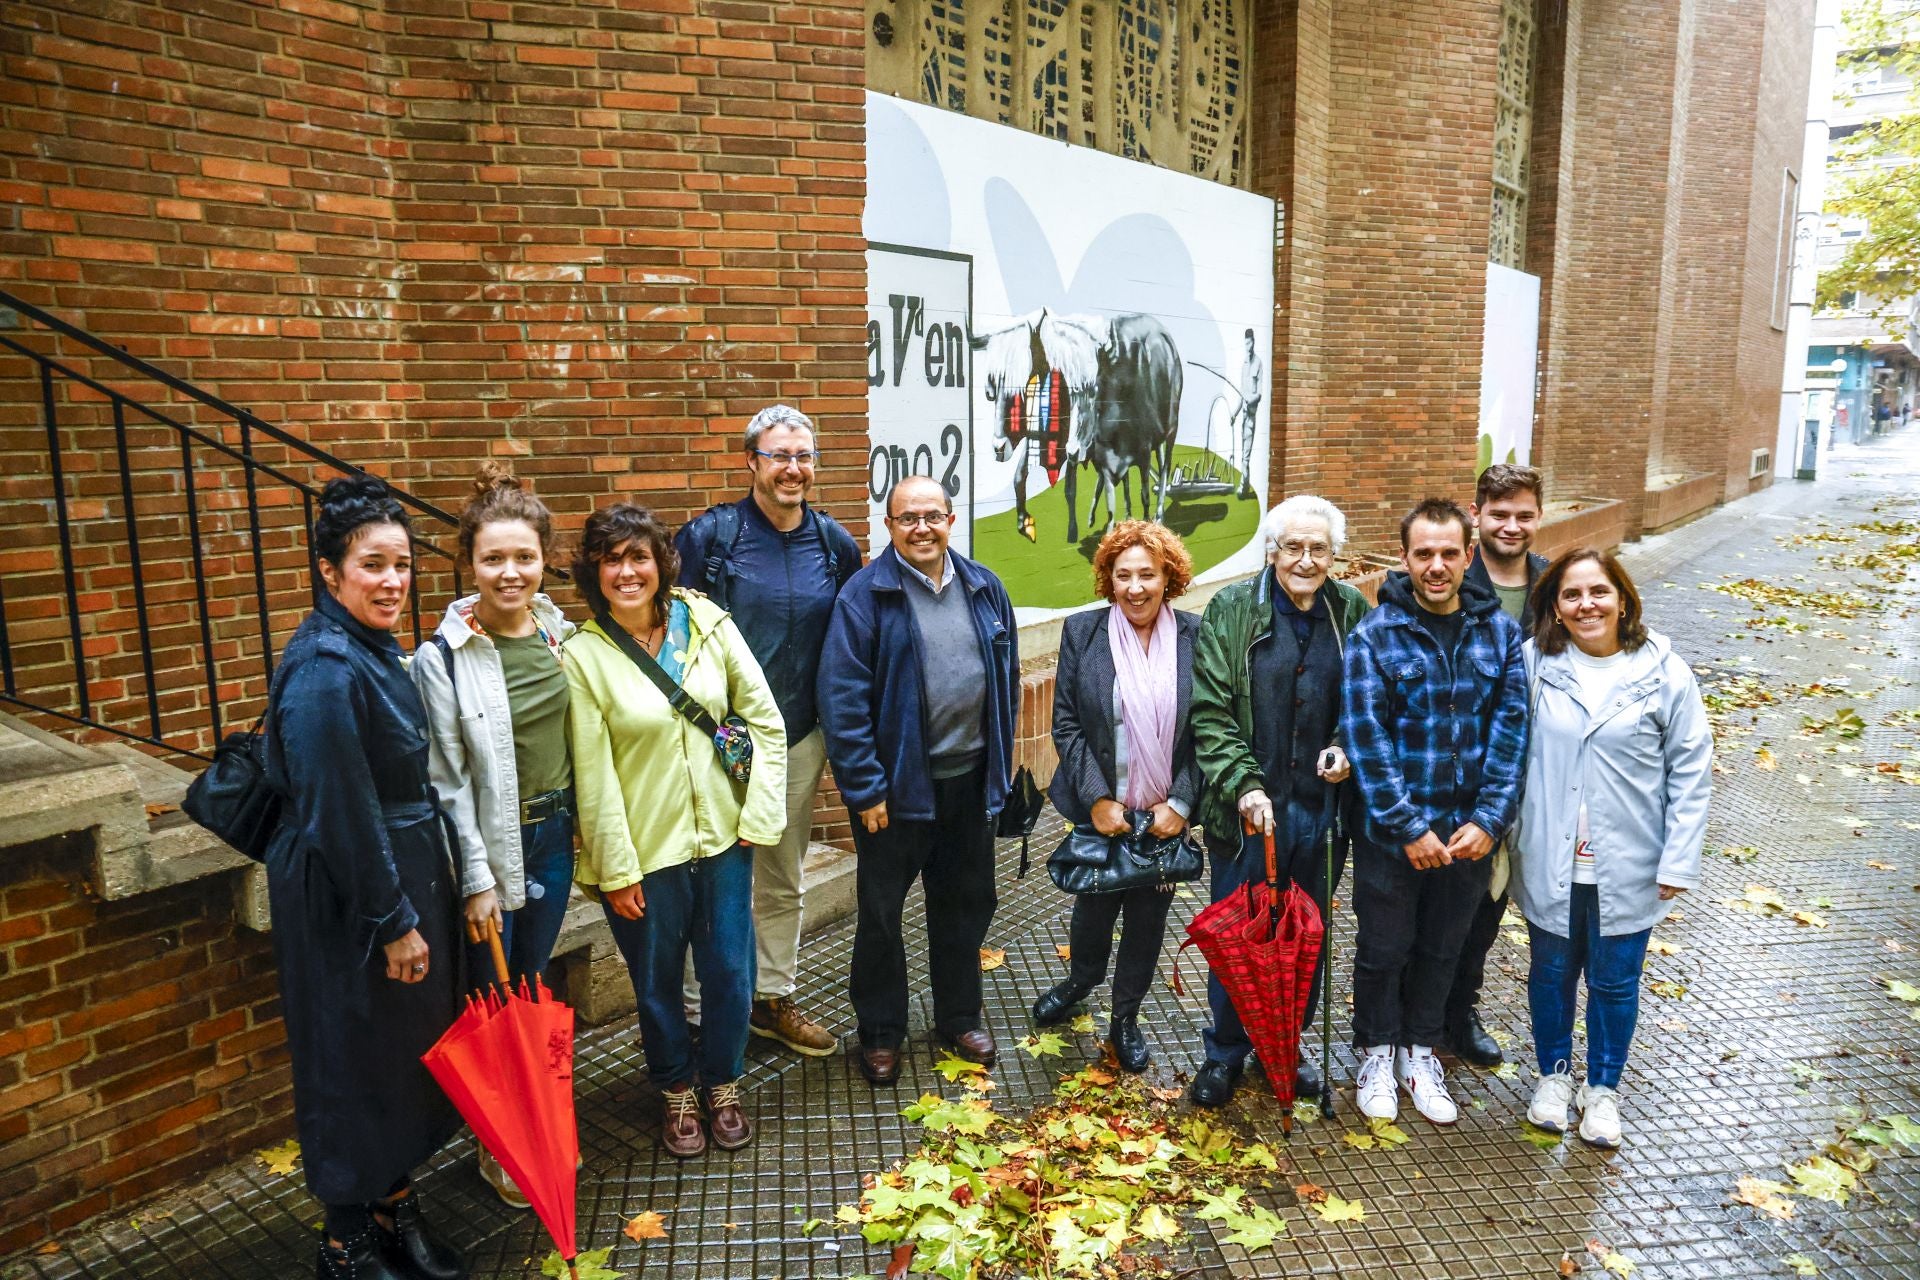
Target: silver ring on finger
{"x": 419, "y": 969}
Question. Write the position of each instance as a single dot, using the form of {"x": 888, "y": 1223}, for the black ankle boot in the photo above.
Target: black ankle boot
{"x": 1056, "y": 1004}
{"x": 358, "y": 1258}
{"x": 1129, "y": 1046}
{"x": 1471, "y": 1042}
{"x": 411, "y": 1247}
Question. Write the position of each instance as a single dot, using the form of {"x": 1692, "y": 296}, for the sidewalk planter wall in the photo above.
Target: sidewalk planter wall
{"x": 1583, "y": 522}
{"x": 1676, "y": 502}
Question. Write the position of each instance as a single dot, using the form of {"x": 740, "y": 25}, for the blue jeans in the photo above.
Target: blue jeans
{"x": 1612, "y": 966}
{"x": 705, "y": 905}
{"x": 528, "y": 934}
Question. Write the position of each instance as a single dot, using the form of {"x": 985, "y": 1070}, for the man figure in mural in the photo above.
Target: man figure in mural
{"x": 1506, "y": 513}
{"x": 1251, "y": 373}
{"x": 1100, "y": 390}
{"x": 1435, "y": 716}
{"x": 918, "y": 687}
{"x": 777, "y": 564}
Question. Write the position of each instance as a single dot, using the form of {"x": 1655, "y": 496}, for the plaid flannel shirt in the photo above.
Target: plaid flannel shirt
{"x": 1435, "y": 742}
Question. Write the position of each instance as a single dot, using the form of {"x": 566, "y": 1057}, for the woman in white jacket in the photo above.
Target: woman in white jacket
{"x": 1619, "y": 772}
{"x": 496, "y": 695}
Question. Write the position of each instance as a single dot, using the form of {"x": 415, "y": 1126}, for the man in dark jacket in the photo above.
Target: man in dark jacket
{"x": 1435, "y": 718}
{"x": 1506, "y": 513}
{"x": 776, "y": 565}
{"x": 918, "y": 689}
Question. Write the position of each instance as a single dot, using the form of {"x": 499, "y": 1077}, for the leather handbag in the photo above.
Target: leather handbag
{"x": 232, "y": 797}
{"x": 1088, "y": 862}
{"x": 732, "y": 740}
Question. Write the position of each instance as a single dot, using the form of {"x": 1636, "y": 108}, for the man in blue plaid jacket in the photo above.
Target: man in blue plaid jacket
{"x": 1435, "y": 718}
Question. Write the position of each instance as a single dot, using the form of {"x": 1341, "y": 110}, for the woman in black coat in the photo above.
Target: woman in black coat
{"x": 364, "y": 896}
{"x": 1105, "y": 681}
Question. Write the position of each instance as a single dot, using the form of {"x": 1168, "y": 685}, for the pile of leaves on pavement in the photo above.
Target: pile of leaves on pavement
{"x": 1091, "y": 1184}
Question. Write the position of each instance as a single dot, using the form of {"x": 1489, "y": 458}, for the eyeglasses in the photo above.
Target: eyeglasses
{"x": 915, "y": 519}
{"x": 1292, "y": 549}
{"x": 804, "y": 458}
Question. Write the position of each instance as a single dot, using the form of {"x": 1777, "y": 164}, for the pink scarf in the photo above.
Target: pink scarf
{"x": 1149, "y": 686}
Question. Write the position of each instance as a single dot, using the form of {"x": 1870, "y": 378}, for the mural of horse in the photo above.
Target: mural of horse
{"x": 1085, "y": 389}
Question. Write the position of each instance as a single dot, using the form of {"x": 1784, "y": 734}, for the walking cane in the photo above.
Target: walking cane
{"x": 1326, "y": 961}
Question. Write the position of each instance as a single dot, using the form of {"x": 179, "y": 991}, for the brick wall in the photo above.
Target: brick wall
{"x": 587, "y": 238}
{"x": 140, "y": 1042}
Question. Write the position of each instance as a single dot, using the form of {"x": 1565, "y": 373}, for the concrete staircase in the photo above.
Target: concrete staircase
{"x": 126, "y": 805}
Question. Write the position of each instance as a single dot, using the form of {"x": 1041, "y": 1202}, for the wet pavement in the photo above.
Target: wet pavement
{"x": 1769, "y": 1030}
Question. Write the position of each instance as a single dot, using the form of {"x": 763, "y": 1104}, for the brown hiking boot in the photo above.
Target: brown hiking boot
{"x": 776, "y": 1018}
{"x": 681, "y": 1133}
{"x": 728, "y": 1118}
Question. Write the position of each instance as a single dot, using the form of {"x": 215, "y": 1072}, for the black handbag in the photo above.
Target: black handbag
{"x": 1088, "y": 862}
{"x": 1020, "y": 813}
{"x": 232, "y": 797}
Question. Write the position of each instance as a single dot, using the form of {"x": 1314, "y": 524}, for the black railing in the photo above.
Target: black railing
{"x": 153, "y": 542}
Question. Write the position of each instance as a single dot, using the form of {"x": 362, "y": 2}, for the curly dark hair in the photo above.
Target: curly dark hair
{"x": 609, "y": 529}
{"x": 349, "y": 505}
{"x": 1160, "y": 542}
{"x": 1549, "y": 636}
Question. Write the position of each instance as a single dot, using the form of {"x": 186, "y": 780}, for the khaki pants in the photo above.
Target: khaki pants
{"x": 776, "y": 878}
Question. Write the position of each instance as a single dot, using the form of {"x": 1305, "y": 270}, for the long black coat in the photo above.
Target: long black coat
{"x": 361, "y": 857}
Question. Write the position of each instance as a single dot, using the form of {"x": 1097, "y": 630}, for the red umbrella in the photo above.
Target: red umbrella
{"x": 507, "y": 1065}
{"x": 1263, "y": 944}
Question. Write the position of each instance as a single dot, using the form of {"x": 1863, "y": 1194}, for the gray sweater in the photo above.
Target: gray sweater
{"x": 954, "y": 673}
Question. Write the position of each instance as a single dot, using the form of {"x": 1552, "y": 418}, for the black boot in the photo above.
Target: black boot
{"x": 411, "y": 1247}
{"x": 357, "y": 1258}
{"x": 1213, "y": 1086}
{"x": 1056, "y": 1004}
{"x": 1470, "y": 1042}
{"x": 1129, "y": 1046}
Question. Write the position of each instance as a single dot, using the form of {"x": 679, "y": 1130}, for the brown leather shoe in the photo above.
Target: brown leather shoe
{"x": 975, "y": 1045}
{"x": 681, "y": 1133}
{"x": 880, "y": 1065}
{"x": 727, "y": 1117}
{"x": 777, "y": 1018}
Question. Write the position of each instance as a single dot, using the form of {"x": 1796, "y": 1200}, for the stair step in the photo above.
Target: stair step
{"x": 177, "y": 848}
{"x": 50, "y": 787}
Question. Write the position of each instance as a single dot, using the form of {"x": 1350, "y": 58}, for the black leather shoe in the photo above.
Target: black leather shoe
{"x": 1056, "y": 1004}
{"x": 411, "y": 1247}
{"x": 1306, "y": 1081}
{"x": 1213, "y": 1086}
{"x": 1129, "y": 1046}
{"x": 356, "y": 1259}
{"x": 1471, "y": 1043}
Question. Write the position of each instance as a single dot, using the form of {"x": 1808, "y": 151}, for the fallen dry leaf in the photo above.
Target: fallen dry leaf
{"x": 155, "y": 810}
{"x": 1878, "y": 865}
{"x": 1062, "y": 950}
{"x": 992, "y": 958}
{"x": 1310, "y": 1192}
{"x": 1769, "y": 1198}
{"x": 1568, "y": 1267}
{"x": 281, "y": 1159}
{"x": 645, "y": 1226}
{"x": 1661, "y": 947}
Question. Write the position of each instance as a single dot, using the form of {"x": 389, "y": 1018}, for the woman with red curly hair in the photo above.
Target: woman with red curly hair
{"x": 1120, "y": 700}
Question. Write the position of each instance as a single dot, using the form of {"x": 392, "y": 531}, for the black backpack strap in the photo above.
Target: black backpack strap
{"x": 826, "y": 526}
{"x": 726, "y": 532}
{"x": 689, "y": 710}
{"x": 439, "y": 642}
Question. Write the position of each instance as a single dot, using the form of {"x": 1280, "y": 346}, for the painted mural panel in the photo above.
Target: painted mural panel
{"x": 1118, "y": 319}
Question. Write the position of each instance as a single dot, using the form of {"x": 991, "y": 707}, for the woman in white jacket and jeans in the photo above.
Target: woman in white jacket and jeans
{"x": 1619, "y": 771}
{"x": 496, "y": 695}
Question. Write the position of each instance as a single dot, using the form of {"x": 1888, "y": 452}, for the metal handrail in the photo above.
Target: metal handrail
{"x": 63, "y": 690}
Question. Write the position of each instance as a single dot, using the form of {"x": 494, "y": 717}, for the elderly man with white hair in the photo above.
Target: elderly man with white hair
{"x": 1266, "y": 726}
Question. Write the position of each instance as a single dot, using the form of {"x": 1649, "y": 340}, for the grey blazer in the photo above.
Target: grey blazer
{"x": 1083, "y": 734}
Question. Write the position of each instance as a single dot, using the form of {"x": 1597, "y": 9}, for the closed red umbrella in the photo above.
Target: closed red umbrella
{"x": 1263, "y": 944}
{"x": 507, "y": 1066}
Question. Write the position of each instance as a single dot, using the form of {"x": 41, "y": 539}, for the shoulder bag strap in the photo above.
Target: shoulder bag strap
{"x": 439, "y": 642}
{"x": 689, "y": 710}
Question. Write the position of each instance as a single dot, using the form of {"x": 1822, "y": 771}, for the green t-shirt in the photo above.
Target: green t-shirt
{"x": 1513, "y": 600}
{"x": 537, "y": 700}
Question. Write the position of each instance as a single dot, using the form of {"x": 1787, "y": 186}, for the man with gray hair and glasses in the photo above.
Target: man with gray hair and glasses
{"x": 777, "y": 565}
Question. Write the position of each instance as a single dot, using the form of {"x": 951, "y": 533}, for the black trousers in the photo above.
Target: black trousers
{"x": 1143, "y": 915}
{"x": 1470, "y": 973}
{"x": 1412, "y": 926}
{"x": 952, "y": 856}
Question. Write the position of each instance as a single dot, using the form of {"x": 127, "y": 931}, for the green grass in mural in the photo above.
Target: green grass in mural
{"x": 1052, "y": 573}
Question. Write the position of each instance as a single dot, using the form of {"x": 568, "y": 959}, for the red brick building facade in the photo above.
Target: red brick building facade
{"x": 594, "y": 236}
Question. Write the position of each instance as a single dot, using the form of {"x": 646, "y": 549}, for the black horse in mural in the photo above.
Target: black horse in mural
{"x": 1085, "y": 389}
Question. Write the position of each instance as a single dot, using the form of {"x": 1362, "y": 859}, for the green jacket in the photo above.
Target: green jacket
{"x": 1222, "y": 711}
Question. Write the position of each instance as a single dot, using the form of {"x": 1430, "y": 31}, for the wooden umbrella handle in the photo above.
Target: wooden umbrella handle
{"x": 1273, "y": 864}
{"x": 499, "y": 953}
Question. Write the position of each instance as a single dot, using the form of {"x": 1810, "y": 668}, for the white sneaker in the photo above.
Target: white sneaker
{"x": 1599, "y": 1116}
{"x": 1421, "y": 1074}
{"x": 1374, "y": 1087}
{"x": 501, "y": 1182}
{"x": 1550, "y": 1098}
